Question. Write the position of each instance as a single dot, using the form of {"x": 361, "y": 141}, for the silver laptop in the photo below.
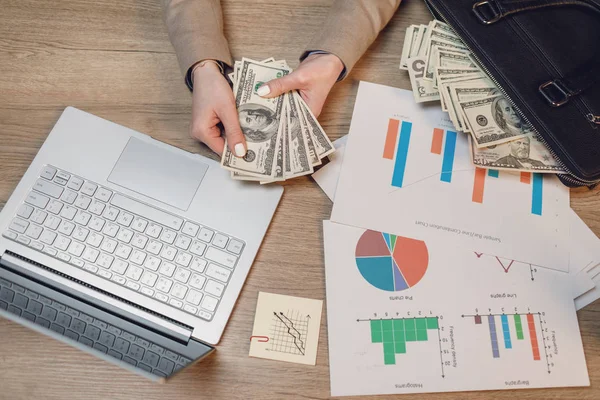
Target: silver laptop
{"x": 126, "y": 247}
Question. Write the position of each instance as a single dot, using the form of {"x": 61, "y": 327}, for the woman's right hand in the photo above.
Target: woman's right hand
{"x": 213, "y": 103}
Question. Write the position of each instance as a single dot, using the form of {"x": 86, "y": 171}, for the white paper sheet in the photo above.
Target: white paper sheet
{"x": 327, "y": 176}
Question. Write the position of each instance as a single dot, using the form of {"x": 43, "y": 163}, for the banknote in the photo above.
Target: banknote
{"x": 408, "y": 40}
{"x": 299, "y": 159}
{"x": 423, "y": 90}
{"x": 323, "y": 145}
{"x": 310, "y": 138}
{"x": 467, "y": 91}
{"x": 433, "y": 46}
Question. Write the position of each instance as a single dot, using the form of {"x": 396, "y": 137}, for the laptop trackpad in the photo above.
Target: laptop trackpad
{"x": 164, "y": 175}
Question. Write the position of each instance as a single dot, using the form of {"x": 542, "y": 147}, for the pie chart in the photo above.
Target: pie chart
{"x": 389, "y": 262}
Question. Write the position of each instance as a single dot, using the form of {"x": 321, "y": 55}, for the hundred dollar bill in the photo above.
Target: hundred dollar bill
{"x": 300, "y": 163}
{"x": 260, "y": 120}
{"x": 323, "y": 145}
{"x": 434, "y": 45}
{"x": 437, "y": 24}
{"x": 408, "y": 41}
{"x": 422, "y": 90}
{"x": 526, "y": 154}
{"x": 451, "y": 59}
{"x": 468, "y": 91}
{"x": 310, "y": 139}
{"x": 493, "y": 120}
{"x": 420, "y": 34}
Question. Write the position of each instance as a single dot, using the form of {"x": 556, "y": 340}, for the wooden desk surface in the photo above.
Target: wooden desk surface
{"x": 113, "y": 58}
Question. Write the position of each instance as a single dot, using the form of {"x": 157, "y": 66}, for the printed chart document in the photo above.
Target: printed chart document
{"x": 327, "y": 177}
{"x": 405, "y": 171}
{"x": 407, "y": 315}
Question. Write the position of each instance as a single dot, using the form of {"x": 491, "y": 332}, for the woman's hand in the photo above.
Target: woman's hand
{"x": 314, "y": 78}
{"x": 212, "y": 103}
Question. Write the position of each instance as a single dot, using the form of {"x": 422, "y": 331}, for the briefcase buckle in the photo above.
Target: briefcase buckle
{"x": 487, "y": 12}
{"x": 554, "y": 93}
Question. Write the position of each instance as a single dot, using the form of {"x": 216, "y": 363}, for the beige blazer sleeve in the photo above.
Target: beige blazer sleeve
{"x": 196, "y": 31}
{"x": 351, "y": 27}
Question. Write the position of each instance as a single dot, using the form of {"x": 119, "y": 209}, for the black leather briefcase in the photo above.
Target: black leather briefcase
{"x": 544, "y": 55}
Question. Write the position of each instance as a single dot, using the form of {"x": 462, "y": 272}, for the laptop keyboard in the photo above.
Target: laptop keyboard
{"x": 176, "y": 261}
{"x": 92, "y": 332}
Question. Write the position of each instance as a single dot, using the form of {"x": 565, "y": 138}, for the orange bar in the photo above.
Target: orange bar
{"x": 436, "y": 142}
{"x": 390, "y": 139}
{"x": 479, "y": 185}
{"x": 526, "y": 177}
{"x": 533, "y": 336}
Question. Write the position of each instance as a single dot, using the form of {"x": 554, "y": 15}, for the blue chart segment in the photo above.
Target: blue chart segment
{"x": 493, "y": 336}
{"x": 537, "y": 195}
{"x": 448, "y": 160}
{"x": 402, "y": 154}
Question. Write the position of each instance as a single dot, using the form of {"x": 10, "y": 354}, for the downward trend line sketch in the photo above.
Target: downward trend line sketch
{"x": 289, "y": 332}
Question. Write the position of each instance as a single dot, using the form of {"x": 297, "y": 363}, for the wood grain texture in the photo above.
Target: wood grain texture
{"x": 113, "y": 58}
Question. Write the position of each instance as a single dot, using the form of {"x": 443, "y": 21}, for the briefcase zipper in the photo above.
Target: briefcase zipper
{"x": 574, "y": 179}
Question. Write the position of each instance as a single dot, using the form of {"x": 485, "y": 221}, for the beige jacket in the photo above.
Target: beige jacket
{"x": 196, "y": 30}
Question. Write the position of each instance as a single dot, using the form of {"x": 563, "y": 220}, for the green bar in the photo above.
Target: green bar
{"x": 400, "y": 347}
{"x": 432, "y": 323}
{"x": 387, "y": 325}
{"x": 421, "y": 335}
{"x": 398, "y": 325}
{"x": 399, "y": 335}
{"x": 421, "y": 323}
{"x": 388, "y": 336}
{"x": 411, "y": 334}
{"x": 376, "y": 336}
{"x": 388, "y": 353}
{"x": 519, "y": 327}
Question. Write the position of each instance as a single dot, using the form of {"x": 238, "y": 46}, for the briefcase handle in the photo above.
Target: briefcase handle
{"x": 491, "y": 11}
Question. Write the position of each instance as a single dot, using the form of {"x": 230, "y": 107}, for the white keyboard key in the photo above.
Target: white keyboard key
{"x": 204, "y": 315}
{"x": 133, "y": 285}
{"x": 105, "y": 261}
{"x": 97, "y": 207}
{"x": 154, "y": 247}
{"x": 97, "y": 224}
{"x": 91, "y": 268}
{"x": 190, "y": 309}
{"x": 82, "y": 218}
{"x": 36, "y": 245}
{"x": 81, "y": 233}
{"x": 147, "y": 211}
{"x": 79, "y": 264}
{"x": 63, "y": 175}
{"x": 179, "y": 291}
{"x": 139, "y": 241}
{"x": 48, "y": 237}
{"x": 138, "y": 257}
{"x": 19, "y": 225}
{"x": 134, "y": 272}
{"x": 209, "y": 303}
{"x": 221, "y": 257}
{"x": 111, "y": 229}
{"x": 123, "y": 251}
{"x": 95, "y": 239}
{"x": 198, "y": 264}
{"x": 189, "y": 228}
{"x": 111, "y": 213}
{"x": 220, "y": 241}
{"x": 60, "y": 180}
{"x": 48, "y": 188}
{"x": 139, "y": 224}
{"x": 25, "y": 211}
{"x": 153, "y": 230}
{"x": 164, "y": 284}
{"x": 183, "y": 259}
{"x": 168, "y": 236}
{"x": 55, "y": 207}
{"x": 104, "y": 274}
{"x": 161, "y": 297}
{"x": 10, "y": 235}
{"x": 38, "y": 216}
{"x": 205, "y": 235}
{"x": 219, "y": 273}
{"x": 124, "y": 219}
{"x": 89, "y": 188}
{"x": 48, "y": 172}
{"x": 125, "y": 235}
{"x": 175, "y": 303}
{"x": 91, "y": 255}
{"x": 34, "y": 231}
{"x": 52, "y": 222}
{"x": 63, "y": 257}
{"x": 169, "y": 253}
{"x": 37, "y": 200}
{"x": 182, "y": 275}
{"x": 62, "y": 243}
{"x": 146, "y": 291}
{"x": 24, "y": 240}
{"x": 103, "y": 194}
{"x": 68, "y": 212}
{"x": 214, "y": 288}
{"x": 66, "y": 228}
{"x": 167, "y": 269}
{"x": 109, "y": 245}
{"x": 119, "y": 267}
{"x": 50, "y": 250}
{"x": 198, "y": 248}
{"x": 75, "y": 183}
{"x": 83, "y": 202}
{"x": 76, "y": 249}
{"x": 69, "y": 196}
{"x": 197, "y": 281}
{"x": 194, "y": 297}
{"x": 119, "y": 279}
{"x": 149, "y": 279}
{"x": 183, "y": 242}
{"x": 152, "y": 263}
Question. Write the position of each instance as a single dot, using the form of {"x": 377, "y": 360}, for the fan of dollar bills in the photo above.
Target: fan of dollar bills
{"x": 283, "y": 136}
{"x": 441, "y": 68}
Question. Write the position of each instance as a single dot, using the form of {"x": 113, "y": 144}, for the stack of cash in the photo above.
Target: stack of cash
{"x": 441, "y": 68}
{"x": 283, "y": 136}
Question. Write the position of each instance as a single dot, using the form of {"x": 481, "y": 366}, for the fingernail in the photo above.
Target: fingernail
{"x": 240, "y": 150}
{"x": 263, "y": 90}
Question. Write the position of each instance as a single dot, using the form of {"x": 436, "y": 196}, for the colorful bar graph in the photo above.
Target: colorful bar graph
{"x": 537, "y": 192}
{"x": 533, "y": 335}
{"x": 506, "y": 332}
{"x": 479, "y": 185}
{"x": 493, "y": 336}
{"x": 390, "y": 139}
{"x": 478, "y": 319}
{"x": 494, "y": 173}
{"x": 437, "y": 141}
{"x": 448, "y": 157}
{"x": 518, "y": 327}
{"x": 376, "y": 331}
{"x": 401, "y": 154}
{"x": 526, "y": 177}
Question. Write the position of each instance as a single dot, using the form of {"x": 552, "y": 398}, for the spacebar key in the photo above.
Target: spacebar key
{"x": 147, "y": 211}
